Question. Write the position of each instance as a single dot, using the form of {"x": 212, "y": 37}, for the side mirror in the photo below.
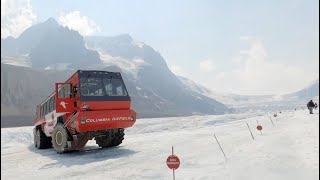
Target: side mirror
{"x": 75, "y": 89}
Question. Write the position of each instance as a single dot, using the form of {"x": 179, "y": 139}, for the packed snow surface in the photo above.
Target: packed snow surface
{"x": 287, "y": 150}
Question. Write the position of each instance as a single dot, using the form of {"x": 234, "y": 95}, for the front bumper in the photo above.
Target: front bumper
{"x": 101, "y": 120}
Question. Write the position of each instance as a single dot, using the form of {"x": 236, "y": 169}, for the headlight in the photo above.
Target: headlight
{"x": 85, "y": 106}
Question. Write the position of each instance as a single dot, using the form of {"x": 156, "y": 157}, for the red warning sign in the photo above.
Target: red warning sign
{"x": 173, "y": 162}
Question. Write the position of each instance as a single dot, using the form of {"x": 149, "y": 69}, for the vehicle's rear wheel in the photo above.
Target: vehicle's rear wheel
{"x": 119, "y": 136}
{"x": 41, "y": 141}
{"x": 111, "y": 139}
{"x": 59, "y": 138}
{"x": 104, "y": 141}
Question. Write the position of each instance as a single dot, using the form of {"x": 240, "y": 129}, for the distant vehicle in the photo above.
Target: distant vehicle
{"x": 89, "y": 105}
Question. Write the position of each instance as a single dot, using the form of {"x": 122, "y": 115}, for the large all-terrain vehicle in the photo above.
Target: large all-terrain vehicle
{"x": 89, "y": 105}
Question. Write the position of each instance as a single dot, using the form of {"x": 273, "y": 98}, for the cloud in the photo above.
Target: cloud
{"x": 256, "y": 52}
{"x": 221, "y": 75}
{"x": 83, "y": 24}
{"x": 257, "y": 75}
{"x": 245, "y": 38}
{"x": 207, "y": 66}
{"x": 16, "y": 16}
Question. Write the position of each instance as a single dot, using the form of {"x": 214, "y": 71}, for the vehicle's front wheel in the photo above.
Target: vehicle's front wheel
{"x": 59, "y": 138}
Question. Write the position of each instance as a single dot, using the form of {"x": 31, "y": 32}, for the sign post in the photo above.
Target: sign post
{"x": 271, "y": 121}
{"x": 225, "y": 157}
{"x": 173, "y": 162}
{"x": 250, "y": 131}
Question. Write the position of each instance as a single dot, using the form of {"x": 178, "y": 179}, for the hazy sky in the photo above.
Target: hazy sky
{"x": 243, "y": 47}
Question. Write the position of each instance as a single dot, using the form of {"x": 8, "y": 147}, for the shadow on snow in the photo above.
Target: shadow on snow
{"x": 88, "y": 155}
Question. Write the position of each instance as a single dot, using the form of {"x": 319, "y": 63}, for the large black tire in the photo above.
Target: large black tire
{"x": 41, "y": 141}
{"x": 59, "y": 138}
{"x": 103, "y": 141}
{"x": 107, "y": 141}
{"x": 119, "y": 137}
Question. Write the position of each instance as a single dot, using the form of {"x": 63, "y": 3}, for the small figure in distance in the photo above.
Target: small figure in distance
{"x": 310, "y": 106}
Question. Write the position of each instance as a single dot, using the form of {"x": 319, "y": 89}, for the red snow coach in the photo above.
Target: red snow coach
{"x": 90, "y": 104}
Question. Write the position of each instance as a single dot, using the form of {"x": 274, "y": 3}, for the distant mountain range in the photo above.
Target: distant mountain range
{"x": 305, "y": 94}
{"x": 243, "y": 103}
{"x": 51, "y": 53}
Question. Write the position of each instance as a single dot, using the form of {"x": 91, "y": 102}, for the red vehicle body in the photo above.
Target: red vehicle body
{"x": 89, "y": 105}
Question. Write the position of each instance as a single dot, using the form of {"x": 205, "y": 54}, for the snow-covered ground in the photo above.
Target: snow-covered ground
{"x": 289, "y": 150}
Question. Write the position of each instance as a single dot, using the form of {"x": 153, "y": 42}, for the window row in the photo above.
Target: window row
{"x": 48, "y": 106}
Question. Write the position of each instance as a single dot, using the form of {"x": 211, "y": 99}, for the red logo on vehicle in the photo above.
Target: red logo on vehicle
{"x": 63, "y": 104}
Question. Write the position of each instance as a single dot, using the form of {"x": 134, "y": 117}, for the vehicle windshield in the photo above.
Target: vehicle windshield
{"x": 95, "y": 86}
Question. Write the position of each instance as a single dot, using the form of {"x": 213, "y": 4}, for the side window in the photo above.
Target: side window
{"x": 67, "y": 91}
{"x": 54, "y": 102}
{"x": 45, "y": 109}
{"x": 61, "y": 92}
{"x": 64, "y": 91}
{"x": 51, "y": 104}
{"x": 48, "y": 105}
{"x": 41, "y": 110}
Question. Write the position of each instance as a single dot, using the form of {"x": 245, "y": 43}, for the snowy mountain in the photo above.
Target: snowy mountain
{"x": 244, "y": 103}
{"x": 287, "y": 150}
{"x": 47, "y": 44}
{"x": 55, "y": 52}
{"x": 305, "y": 94}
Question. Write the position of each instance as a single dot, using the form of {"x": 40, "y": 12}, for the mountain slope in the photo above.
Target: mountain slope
{"x": 305, "y": 94}
{"x": 150, "y": 69}
{"x": 22, "y": 89}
